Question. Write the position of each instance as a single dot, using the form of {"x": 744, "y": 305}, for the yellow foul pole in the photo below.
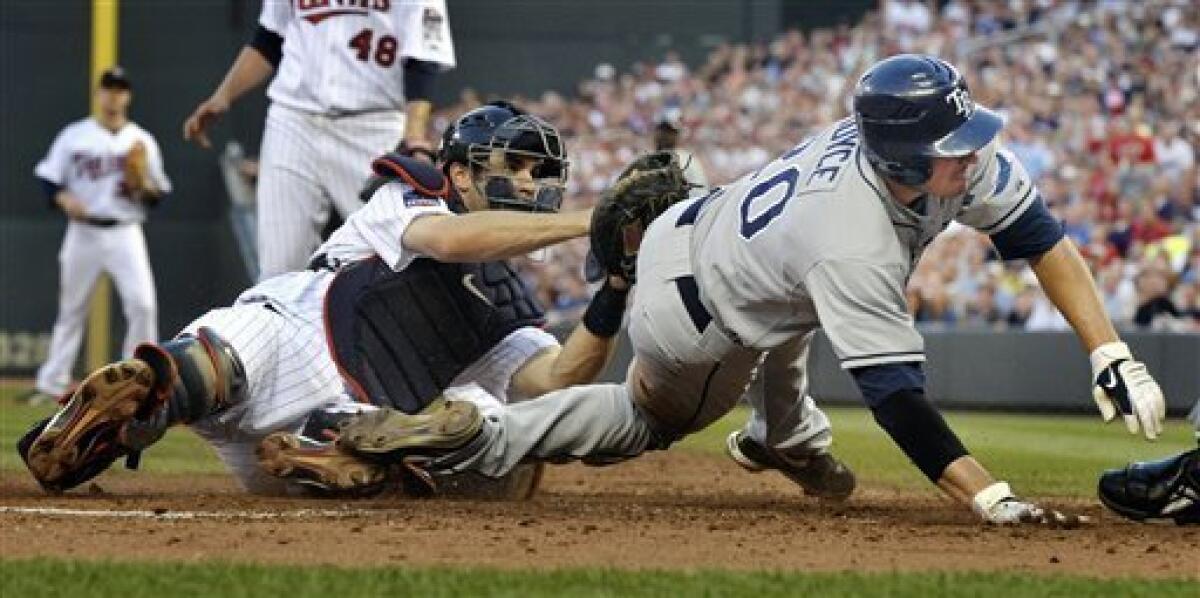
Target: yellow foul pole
{"x": 104, "y": 55}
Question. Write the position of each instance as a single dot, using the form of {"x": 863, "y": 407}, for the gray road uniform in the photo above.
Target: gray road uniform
{"x": 735, "y": 283}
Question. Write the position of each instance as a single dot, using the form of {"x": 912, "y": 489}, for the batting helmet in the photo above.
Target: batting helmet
{"x": 910, "y": 108}
{"x": 502, "y": 127}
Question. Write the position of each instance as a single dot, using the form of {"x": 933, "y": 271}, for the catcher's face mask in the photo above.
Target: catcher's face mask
{"x": 524, "y": 166}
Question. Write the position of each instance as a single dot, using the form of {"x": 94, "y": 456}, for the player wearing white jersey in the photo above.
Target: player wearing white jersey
{"x": 352, "y": 78}
{"x": 84, "y": 175}
{"x": 295, "y": 352}
{"x": 826, "y": 235}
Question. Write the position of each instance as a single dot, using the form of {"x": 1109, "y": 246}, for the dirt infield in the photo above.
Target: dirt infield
{"x": 663, "y": 511}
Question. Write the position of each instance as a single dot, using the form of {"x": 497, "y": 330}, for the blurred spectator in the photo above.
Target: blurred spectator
{"x": 1155, "y": 308}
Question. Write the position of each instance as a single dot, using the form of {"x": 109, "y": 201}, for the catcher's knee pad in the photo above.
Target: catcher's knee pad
{"x": 195, "y": 376}
{"x": 1164, "y": 489}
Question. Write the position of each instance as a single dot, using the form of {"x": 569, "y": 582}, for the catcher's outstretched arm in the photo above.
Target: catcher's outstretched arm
{"x": 491, "y": 234}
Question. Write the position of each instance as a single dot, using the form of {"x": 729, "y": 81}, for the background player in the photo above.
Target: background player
{"x": 350, "y": 82}
{"x": 825, "y": 235}
{"x": 667, "y": 132}
{"x": 265, "y": 365}
{"x": 103, "y": 172}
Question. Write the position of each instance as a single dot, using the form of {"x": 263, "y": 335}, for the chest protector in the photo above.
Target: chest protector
{"x": 400, "y": 338}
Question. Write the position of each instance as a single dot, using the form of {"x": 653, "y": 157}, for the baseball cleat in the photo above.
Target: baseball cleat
{"x": 1164, "y": 489}
{"x": 389, "y": 435}
{"x": 322, "y": 466}
{"x": 821, "y": 474}
{"x": 83, "y": 438}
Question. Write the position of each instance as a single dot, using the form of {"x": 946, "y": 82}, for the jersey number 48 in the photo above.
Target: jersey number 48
{"x": 385, "y": 50}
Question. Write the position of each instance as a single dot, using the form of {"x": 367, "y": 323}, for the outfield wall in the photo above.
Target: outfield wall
{"x": 1020, "y": 371}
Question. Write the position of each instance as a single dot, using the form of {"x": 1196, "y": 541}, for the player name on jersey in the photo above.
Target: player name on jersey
{"x": 835, "y": 154}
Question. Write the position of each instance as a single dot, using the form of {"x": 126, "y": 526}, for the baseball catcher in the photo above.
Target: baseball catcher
{"x": 408, "y": 302}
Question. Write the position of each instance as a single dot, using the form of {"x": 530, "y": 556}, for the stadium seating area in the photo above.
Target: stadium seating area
{"x": 1102, "y": 106}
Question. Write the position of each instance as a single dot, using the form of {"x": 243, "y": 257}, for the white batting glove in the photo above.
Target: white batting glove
{"x": 1125, "y": 386}
{"x": 997, "y": 505}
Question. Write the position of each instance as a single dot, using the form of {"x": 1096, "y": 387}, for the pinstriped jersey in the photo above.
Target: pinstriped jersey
{"x": 376, "y": 229}
{"x": 346, "y": 56}
{"x": 815, "y": 239}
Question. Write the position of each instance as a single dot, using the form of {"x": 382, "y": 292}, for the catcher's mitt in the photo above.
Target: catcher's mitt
{"x": 648, "y": 186}
{"x": 136, "y": 168}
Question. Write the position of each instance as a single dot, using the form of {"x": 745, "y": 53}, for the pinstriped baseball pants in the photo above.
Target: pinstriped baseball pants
{"x": 310, "y": 164}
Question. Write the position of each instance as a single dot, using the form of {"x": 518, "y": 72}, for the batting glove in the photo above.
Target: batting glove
{"x": 1123, "y": 385}
{"x": 997, "y": 505}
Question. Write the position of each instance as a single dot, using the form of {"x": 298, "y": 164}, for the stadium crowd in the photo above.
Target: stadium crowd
{"x": 1102, "y": 108}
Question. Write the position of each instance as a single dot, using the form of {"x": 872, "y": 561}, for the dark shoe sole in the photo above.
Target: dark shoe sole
{"x": 734, "y": 451}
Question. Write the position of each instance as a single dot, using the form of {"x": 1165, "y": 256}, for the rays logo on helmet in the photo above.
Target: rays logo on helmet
{"x": 963, "y": 106}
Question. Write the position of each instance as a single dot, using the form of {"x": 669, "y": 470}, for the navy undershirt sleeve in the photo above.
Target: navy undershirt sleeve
{"x": 1032, "y": 234}
{"x": 50, "y": 189}
{"x": 878, "y": 382}
{"x": 418, "y": 78}
{"x": 269, "y": 44}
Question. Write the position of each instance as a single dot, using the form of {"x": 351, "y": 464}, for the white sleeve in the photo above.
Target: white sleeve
{"x": 863, "y": 310}
{"x": 53, "y": 167}
{"x": 275, "y": 15}
{"x": 999, "y": 193}
{"x": 154, "y": 159}
{"x": 425, "y": 32}
{"x": 382, "y": 222}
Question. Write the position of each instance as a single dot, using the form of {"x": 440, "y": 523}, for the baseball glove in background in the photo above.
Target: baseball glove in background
{"x": 648, "y": 186}
{"x": 137, "y": 167}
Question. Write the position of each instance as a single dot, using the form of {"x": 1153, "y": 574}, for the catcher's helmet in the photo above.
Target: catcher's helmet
{"x": 502, "y": 127}
{"x": 474, "y": 127}
{"x": 910, "y": 108}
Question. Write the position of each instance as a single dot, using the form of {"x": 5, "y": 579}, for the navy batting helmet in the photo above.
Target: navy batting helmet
{"x": 910, "y": 108}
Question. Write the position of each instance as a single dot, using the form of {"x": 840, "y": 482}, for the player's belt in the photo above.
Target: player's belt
{"x": 322, "y": 263}
{"x": 104, "y": 222}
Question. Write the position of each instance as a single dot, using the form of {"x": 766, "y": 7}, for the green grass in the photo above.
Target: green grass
{"x": 27, "y": 579}
{"x": 1040, "y": 455}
